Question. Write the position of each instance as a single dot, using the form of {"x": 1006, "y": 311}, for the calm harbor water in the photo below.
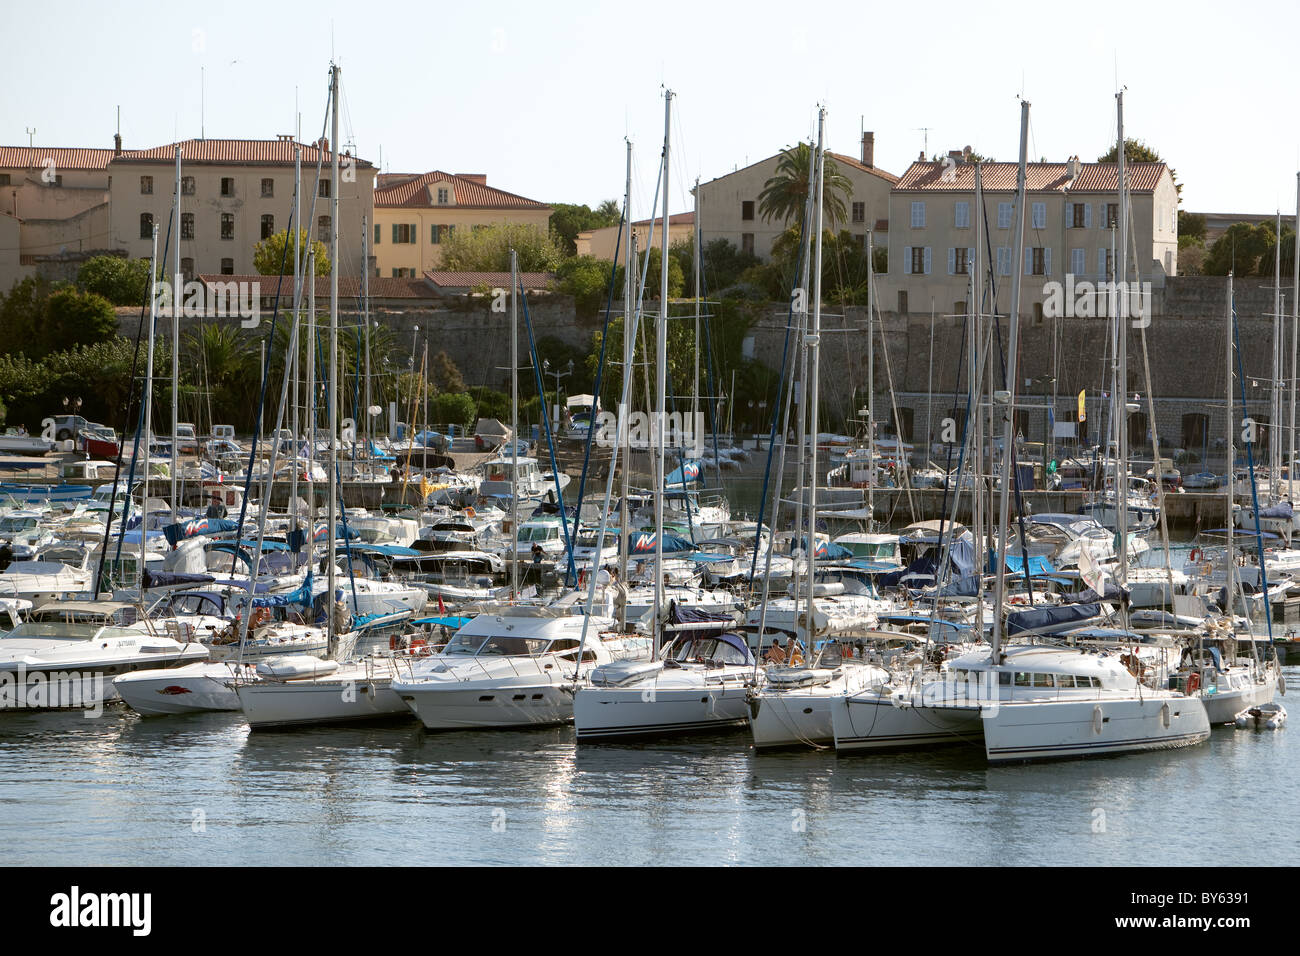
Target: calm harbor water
{"x": 203, "y": 790}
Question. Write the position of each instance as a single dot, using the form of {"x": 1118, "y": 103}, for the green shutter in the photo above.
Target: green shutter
{"x": 394, "y": 232}
{"x": 378, "y": 233}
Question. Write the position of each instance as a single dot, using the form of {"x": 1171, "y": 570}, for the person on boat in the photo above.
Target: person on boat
{"x": 216, "y": 509}
{"x": 538, "y": 554}
{"x": 775, "y": 654}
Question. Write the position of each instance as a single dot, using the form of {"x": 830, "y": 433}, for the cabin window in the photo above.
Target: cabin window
{"x": 1024, "y": 680}
{"x": 1043, "y": 680}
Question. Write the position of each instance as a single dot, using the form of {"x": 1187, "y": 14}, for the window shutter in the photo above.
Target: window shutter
{"x": 952, "y": 260}
{"x": 395, "y": 239}
{"x": 1101, "y": 215}
{"x": 1029, "y": 261}
{"x": 1101, "y": 263}
{"x": 1047, "y": 261}
{"x": 907, "y": 260}
{"x": 1069, "y": 215}
{"x": 1087, "y": 215}
{"x": 927, "y": 260}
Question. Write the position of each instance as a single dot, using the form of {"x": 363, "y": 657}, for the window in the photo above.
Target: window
{"x": 268, "y": 226}
{"x": 1037, "y": 261}
{"x": 403, "y": 273}
{"x": 747, "y": 243}
{"x": 1004, "y": 261}
{"x": 268, "y": 188}
{"x": 187, "y": 185}
{"x": 958, "y": 308}
{"x": 323, "y": 189}
{"x": 4, "y": 179}
{"x": 146, "y": 225}
{"x": 919, "y": 260}
{"x": 378, "y": 234}
{"x": 1196, "y": 431}
{"x": 323, "y": 230}
{"x": 1078, "y": 261}
{"x": 227, "y": 188}
{"x": 1105, "y": 263}
{"x": 1079, "y": 214}
{"x": 1038, "y": 214}
{"x": 227, "y": 225}
{"x": 227, "y": 267}
{"x": 187, "y": 268}
{"x": 959, "y": 262}
{"x": 403, "y": 232}
{"x": 1004, "y": 215}
{"x": 187, "y": 225}
{"x": 859, "y": 212}
{"x": 1038, "y": 313}
{"x": 146, "y": 185}
{"x": 961, "y": 215}
{"x": 443, "y": 195}
{"x": 437, "y": 232}
{"x": 747, "y": 210}
{"x": 1112, "y": 215}
{"x": 902, "y": 303}
{"x": 918, "y": 215}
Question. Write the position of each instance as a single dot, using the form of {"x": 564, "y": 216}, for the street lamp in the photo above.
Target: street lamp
{"x": 546, "y": 370}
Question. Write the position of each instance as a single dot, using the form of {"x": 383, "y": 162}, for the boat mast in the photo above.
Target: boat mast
{"x": 177, "y": 285}
{"x": 1121, "y": 354}
{"x": 813, "y": 340}
{"x": 871, "y": 386}
{"x": 311, "y": 396}
{"x": 1230, "y": 565}
{"x": 292, "y": 369}
{"x": 1279, "y": 343}
{"x": 629, "y": 263}
{"x": 661, "y": 386}
{"x": 801, "y": 385}
{"x": 1009, "y": 404}
{"x": 332, "y": 507}
{"x": 148, "y": 406}
{"x": 975, "y": 422}
{"x": 514, "y": 423}
{"x": 695, "y": 392}
{"x": 365, "y": 327}
{"x": 1295, "y": 343}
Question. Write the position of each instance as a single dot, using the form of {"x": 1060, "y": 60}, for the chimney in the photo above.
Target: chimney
{"x": 956, "y": 156}
{"x": 869, "y": 150}
{"x": 323, "y": 144}
{"x": 117, "y": 144}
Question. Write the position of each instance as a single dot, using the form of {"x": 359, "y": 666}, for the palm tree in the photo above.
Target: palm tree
{"x": 784, "y": 195}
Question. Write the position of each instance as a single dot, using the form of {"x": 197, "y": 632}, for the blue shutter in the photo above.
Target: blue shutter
{"x": 1087, "y": 215}
{"x": 1069, "y": 215}
{"x": 907, "y": 260}
{"x": 1029, "y": 261}
{"x": 952, "y": 260}
{"x": 1101, "y": 263}
{"x": 1047, "y": 261}
{"x": 927, "y": 260}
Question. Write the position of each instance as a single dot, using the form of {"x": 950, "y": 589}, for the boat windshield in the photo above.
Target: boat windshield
{"x": 706, "y": 650}
{"x": 69, "y": 630}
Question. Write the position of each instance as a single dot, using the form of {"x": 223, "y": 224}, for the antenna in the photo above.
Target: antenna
{"x": 30, "y": 133}
{"x": 202, "y": 102}
{"x": 925, "y": 131}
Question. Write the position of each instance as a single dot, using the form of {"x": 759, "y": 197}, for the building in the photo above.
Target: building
{"x": 1070, "y": 228}
{"x": 728, "y": 205}
{"x": 603, "y": 242}
{"x": 414, "y": 215}
{"x": 1217, "y": 223}
{"x": 234, "y": 193}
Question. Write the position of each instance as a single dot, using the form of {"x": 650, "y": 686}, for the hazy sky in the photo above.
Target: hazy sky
{"x": 540, "y": 96}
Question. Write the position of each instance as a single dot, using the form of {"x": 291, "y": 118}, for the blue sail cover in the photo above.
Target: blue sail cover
{"x": 1038, "y": 564}
{"x": 323, "y": 531}
{"x": 162, "y": 579}
{"x": 1110, "y": 592}
{"x": 689, "y": 471}
{"x": 643, "y": 543}
{"x": 1050, "y": 619}
{"x": 830, "y": 550}
{"x": 301, "y": 595}
{"x": 1280, "y": 510}
{"x": 178, "y": 532}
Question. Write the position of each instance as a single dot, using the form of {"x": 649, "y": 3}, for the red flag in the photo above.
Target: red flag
{"x": 441, "y": 608}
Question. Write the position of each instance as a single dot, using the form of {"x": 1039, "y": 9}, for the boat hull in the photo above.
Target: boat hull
{"x": 442, "y": 705}
{"x": 870, "y": 721}
{"x": 644, "y": 710}
{"x": 1046, "y": 730}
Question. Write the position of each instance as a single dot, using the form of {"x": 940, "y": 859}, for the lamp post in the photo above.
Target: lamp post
{"x": 557, "y": 375}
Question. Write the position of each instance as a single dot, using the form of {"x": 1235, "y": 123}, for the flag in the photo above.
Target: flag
{"x": 1091, "y": 573}
{"x": 1083, "y": 405}
{"x": 442, "y": 609}
{"x": 426, "y": 487}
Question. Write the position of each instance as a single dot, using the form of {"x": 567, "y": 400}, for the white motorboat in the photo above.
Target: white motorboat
{"x": 514, "y": 669}
{"x": 66, "y": 654}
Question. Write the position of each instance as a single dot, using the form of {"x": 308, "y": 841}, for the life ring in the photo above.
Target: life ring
{"x": 1196, "y": 555}
{"x": 1194, "y": 682}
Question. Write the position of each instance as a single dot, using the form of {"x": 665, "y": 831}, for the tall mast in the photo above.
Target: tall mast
{"x": 812, "y": 390}
{"x": 1295, "y": 341}
{"x": 629, "y": 263}
{"x": 178, "y": 284}
{"x": 1121, "y": 354}
{"x": 365, "y": 325}
{"x": 871, "y": 384}
{"x": 661, "y": 385}
{"x": 514, "y": 422}
{"x": 311, "y": 393}
{"x": 293, "y": 368}
{"x": 1279, "y": 344}
{"x": 695, "y": 392}
{"x": 1009, "y": 406}
{"x": 1232, "y": 455}
{"x": 148, "y": 404}
{"x": 331, "y": 510}
{"x": 975, "y": 421}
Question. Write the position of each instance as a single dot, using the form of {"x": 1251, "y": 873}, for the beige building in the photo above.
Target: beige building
{"x": 1071, "y": 217}
{"x": 415, "y": 213}
{"x": 603, "y": 242}
{"x": 728, "y": 205}
{"x": 234, "y": 193}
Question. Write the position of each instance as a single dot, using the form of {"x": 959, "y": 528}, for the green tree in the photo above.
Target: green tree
{"x": 22, "y": 313}
{"x": 99, "y": 373}
{"x": 227, "y": 367}
{"x": 269, "y": 257}
{"x": 586, "y": 278}
{"x": 1243, "y": 249}
{"x": 1136, "y": 151}
{"x": 488, "y": 249}
{"x": 453, "y": 408}
{"x": 445, "y": 375}
{"x": 784, "y": 194}
{"x": 119, "y": 280}
{"x": 1191, "y": 225}
{"x": 21, "y": 380}
{"x": 75, "y": 318}
{"x": 567, "y": 220}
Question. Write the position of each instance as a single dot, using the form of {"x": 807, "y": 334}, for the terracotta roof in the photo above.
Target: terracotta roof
{"x": 859, "y": 165}
{"x": 674, "y": 219}
{"x": 349, "y": 287}
{"x": 232, "y": 152}
{"x": 23, "y": 157}
{"x": 410, "y": 191}
{"x": 1039, "y": 177}
{"x": 498, "y": 280}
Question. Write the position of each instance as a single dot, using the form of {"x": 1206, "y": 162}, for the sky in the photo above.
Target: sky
{"x": 540, "y": 97}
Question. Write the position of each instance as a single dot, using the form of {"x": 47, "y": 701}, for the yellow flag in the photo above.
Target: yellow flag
{"x": 425, "y": 487}
{"x": 1083, "y": 408}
